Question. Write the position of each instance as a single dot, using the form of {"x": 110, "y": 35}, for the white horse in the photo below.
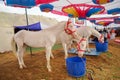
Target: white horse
{"x": 83, "y": 44}
{"x": 66, "y": 41}
{"x": 44, "y": 38}
{"x": 86, "y": 32}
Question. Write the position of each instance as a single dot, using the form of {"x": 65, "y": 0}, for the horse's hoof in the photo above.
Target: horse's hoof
{"x": 24, "y": 66}
{"x": 52, "y": 57}
{"x": 66, "y": 57}
{"x": 49, "y": 70}
{"x": 21, "y": 67}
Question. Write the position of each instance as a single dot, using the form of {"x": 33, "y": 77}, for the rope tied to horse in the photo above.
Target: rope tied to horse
{"x": 68, "y": 30}
{"x": 78, "y": 45}
{"x": 100, "y": 39}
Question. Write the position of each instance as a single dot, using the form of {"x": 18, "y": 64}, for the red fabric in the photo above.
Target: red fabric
{"x": 78, "y": 45}
{"x": 59, "y": 13}
{"x": 117, "y": 40}
{"x": 108, "y": 36}
{"x": 44, "y": 1}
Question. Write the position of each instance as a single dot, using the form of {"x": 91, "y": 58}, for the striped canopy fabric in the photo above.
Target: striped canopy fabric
{"x": 26, "y": 3}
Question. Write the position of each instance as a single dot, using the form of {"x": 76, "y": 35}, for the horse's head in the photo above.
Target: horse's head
{"x": 81, "y": 46}
{"x": 69, "y": 28}
{"x": 98, "y": 35}
{"x": 101, "y": 38}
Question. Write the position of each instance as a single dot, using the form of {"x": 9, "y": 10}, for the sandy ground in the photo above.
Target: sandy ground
{"x": 106, "y": 66}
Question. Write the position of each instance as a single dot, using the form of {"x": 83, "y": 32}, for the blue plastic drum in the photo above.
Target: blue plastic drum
{"x": 101, "y": 47}
{"x": 76, "y": 66}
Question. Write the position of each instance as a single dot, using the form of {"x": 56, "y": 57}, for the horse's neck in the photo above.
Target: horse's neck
{"x": 58, "y": 28}
{"x": 95, "y": 33}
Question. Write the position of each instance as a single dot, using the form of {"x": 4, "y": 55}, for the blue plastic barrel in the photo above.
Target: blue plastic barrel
{"x": 101, "y": 47}
{"x": 76, "y": 66}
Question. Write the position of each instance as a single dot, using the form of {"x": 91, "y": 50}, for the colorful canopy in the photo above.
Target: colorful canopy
{"x": 26, "y": 3}
{"x": 102, "y": 1}
{"x": 104, "y": 23}
{"x": 117, "y": 20}
{"x": 46, "y": 7}
{"x": 82, "y": 10}
{"x": 114, "y": 11}
{"x": 92, "y": 21}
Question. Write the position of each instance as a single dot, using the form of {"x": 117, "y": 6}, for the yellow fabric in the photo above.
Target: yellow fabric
{"x": 102, "y": 1}
{"x": 71, "y": 10}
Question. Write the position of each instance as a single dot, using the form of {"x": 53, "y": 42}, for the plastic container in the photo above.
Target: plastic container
{"x": 76, "y": 66}
{"x": 101, "y": 47}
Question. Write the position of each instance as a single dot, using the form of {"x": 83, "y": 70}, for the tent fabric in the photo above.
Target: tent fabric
{"x": 26, "y": 3}
{"x": 32, "y": 27}
{"x": 6, "y": 35}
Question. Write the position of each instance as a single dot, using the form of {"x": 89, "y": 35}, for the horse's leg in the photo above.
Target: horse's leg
{"x": 65, "y": 49}
{"x": 19, "y": 51}
{"x": 87, "y": 46}
{"x": 23, "y": 64}
{"x": 51, "y": 55}
{"x": 48, "y": 53}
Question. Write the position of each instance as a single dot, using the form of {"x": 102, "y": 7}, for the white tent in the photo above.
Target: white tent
{"x": 6, "y": 34}
{"x": 9, "y": 20}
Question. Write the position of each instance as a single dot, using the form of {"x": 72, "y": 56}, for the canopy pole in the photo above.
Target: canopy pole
{"x": 85, "y": 23}
{"x": 26, "y": 16}
{"x": 27, "y": 25}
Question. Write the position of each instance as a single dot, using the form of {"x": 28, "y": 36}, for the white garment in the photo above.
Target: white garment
{"x": 113, "y": 35}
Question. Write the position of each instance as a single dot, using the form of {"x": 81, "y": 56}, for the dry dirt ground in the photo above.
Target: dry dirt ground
{"x": 106, "y": 66}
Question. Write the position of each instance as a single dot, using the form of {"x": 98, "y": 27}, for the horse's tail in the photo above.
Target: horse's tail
{"x": 13, "y": 46}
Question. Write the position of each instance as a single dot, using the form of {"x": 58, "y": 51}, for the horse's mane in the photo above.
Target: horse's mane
{"x": 57, "y": 25}
{"x": 87, "y": 31}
